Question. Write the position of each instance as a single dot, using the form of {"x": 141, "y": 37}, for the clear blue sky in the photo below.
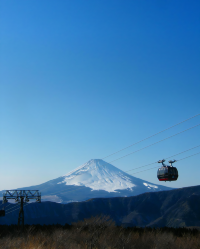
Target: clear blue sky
{"x": 82, "y": 79}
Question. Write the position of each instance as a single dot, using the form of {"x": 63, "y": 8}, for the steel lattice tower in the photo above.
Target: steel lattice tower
{"x": 21, "y": 196}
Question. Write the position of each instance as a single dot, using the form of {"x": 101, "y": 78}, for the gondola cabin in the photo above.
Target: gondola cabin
{"x": 167, "y": 173}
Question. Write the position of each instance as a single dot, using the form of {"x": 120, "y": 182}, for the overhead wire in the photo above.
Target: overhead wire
{"x": 151, "y": 136}
{"x": 72, "y": 188}
{"x": 130, "y": 174}
{"x": 60, "y": 191}
{"x": 156, "y": 162}
{"x": 146, "y": 147}
{"x": 114, "y": 176}
{"x": 165, "y": 158}
{"x": 19, "y": 207}
{"x": 188, "y": 156}
{"x": 155, "y": 143}
{"x": 13, "y": 210}
{"x": 4, "y": 204}
{"x": 15, "y": 204}
{"x": 8, "y": 205}
{"x": 137, "y": 151}
{"x": 158, "y": 166}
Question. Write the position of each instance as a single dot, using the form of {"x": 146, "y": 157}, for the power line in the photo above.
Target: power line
{"x": 5, "y": 206}
{"x": 146, "y": 164}
{"x": 156, "y": 162}
{"x": 145, "y": 148}
{"x": 152, "y": 145}
{"x": 188, "y": 157}
{"x": 13, "y": 210}
{"x": 151, "y": 136}
{"x": 15, "y": 204}
{"x": 9, "y": 205}
{"x": 155, "y": 143}
{"x": 135, "y": 152}
{"x": 149, "y": 146}
{"x": 64, "y": 190}
{"x": 114, "y": 176}
{"x": 72, "y": 188}
{"x": 130, "y": 174}
{"x": 165, "y": 158}
{"x": 19, "y": 207}
{"x": 158, "y": 166}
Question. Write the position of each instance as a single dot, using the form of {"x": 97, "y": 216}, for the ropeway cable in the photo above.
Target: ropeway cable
{"x": 151, "y": 136}
{"x": 156, "y": 162}
{"x": 72, "y": 189}
{"x": 8, "y": 205}
{"x": 158, "y": 166}
{"x": 145, "y": 148}
{"x": 130, "y": 174}
{"x": 13, "y": 210}
{"x": 188, "y": 157}
{"x": 155, "y": 143}
{"x": 165, "y": 158}
{"x": 18, "y": 208}
{"x": 5, "y": 206}
{"x": 154, "y": 167}
{"x": 149, "y": 145}
{"x": 15, "y": 204}
{"x": 140, "y": 166}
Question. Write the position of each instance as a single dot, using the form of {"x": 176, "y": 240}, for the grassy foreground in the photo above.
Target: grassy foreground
{"x": 98, "y": 233}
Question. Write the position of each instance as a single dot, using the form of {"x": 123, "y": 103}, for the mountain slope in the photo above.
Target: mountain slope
{"x": 94, "y": 179}
{"x": 99, "y": 175}
{"x": 175, "y": 208}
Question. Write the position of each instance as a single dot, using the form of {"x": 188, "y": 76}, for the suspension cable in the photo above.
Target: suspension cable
{"x": 151, "y": 136}
{"x": 19, "y": 207}
{"x": 158, "y": 166}
{"x": 155, "y": 143}
{"x": 165, "y": 158}
{"x": 131, "y": 174}
{"x": 114, "y": 176}
{"x": 139, "y": 150}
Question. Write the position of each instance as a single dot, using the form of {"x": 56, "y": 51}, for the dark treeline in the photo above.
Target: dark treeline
{"x": 7, "y": 230}
{"x": 97, "y": 232}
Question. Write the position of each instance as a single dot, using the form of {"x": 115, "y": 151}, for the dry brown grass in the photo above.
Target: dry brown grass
{"x": 97, "y": 233}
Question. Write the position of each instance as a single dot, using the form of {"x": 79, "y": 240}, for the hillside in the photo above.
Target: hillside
{"x": 174, "y": 208}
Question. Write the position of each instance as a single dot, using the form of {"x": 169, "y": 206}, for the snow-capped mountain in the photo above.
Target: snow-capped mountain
{"x": 96, "y": 178}
{"x": 99, "y": 175}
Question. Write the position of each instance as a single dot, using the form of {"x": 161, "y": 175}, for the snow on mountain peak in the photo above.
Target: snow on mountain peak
{"x": 94, "y": 179}
{"x": 98, "y": 175}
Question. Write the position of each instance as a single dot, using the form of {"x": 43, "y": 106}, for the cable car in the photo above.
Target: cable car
{"x": 167, "y": 173}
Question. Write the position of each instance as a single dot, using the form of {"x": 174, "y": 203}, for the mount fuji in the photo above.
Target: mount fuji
{"x": 94, "y": 179}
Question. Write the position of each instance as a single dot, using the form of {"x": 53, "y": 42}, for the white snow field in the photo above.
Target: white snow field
{"x": 99, "y": 175}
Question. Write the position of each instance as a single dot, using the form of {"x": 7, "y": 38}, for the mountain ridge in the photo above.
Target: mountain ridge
{"x": 174, "y": 208}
